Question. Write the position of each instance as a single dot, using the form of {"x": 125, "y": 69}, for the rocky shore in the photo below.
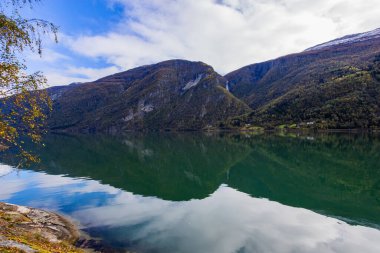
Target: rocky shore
{"x": 25, "y": 229}
{"x": 28, "y": 230}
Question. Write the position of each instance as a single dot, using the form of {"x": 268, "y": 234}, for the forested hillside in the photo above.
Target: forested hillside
{"x": 336, "y": 85}
{"x": 176, "y": 95}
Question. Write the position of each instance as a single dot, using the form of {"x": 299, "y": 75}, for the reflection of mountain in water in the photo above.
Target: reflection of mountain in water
{"x": 172, "y": 167}
{"x": 336, "y": 175}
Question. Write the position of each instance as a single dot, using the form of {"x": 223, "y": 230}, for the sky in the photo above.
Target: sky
{"x": 102, "y": 37}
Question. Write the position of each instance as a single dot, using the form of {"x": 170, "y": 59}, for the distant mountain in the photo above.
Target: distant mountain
{"x": 332, "y": 85}
{"x": 349, "y": 39}
{"x": 176, "y": 94}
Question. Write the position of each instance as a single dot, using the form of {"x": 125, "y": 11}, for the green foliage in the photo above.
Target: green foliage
{"x": 23, "y": 106}
{"x": 337, "y": 88}
{"x": 336, "y": 174}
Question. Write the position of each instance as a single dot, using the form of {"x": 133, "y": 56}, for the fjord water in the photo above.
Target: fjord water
{"x": 195, "y": 192}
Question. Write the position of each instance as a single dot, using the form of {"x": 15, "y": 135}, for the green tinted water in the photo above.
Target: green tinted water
{"x": 132, "y": 190}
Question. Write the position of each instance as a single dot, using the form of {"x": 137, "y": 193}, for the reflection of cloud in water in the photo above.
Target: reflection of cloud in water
{"x": 50, "y": 187}
{"x": 10, "y": 186}
{"x": 228, "y": 221}
{"x": 5, "y": 170}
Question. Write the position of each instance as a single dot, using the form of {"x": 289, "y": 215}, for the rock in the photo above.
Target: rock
{"x": 23, "y": 209}
{"x": 29, "y": 230}
{"x": 5, "y": 243}
{"x": 33, "y": 230}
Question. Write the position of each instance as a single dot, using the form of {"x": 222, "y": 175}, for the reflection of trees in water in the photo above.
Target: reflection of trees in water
{"x": 170, "y": 166}
{"x": 334, "y": 173}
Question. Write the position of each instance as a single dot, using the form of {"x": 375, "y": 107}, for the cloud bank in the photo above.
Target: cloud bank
{"x": 226, "y": 34}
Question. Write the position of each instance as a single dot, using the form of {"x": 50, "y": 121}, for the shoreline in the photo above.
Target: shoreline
{"x": 27, "y": 229}
{"x": 224, "y": 130}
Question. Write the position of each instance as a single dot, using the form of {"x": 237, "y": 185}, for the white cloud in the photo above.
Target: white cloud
{"x": 57, "y": 77}
{"x": 93, "y": 73}
{"x": 226, "y": 34}
{"x": 5, "y": 170}
{"x": 48, "y": 56}
{"x": 226, "y": 221}
{"x": 73, "y": 74}
{"x": 10, "y": 186}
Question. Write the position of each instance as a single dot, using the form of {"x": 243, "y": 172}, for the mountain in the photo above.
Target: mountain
{"x": 332, "y": 85}
{"x": 175, "y": 94}
{"x": 349, "y": 39}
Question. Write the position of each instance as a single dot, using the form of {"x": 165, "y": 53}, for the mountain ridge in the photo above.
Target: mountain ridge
{"x": 331, "y": 85}
{"x": 174, "y": 94}
{"x": 373, "y": 34}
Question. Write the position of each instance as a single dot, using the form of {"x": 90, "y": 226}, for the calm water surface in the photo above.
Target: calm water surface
{"x": 210, "y": 193}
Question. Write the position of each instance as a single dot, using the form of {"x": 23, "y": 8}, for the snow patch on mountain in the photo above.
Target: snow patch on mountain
{"x": 349, "y": 39}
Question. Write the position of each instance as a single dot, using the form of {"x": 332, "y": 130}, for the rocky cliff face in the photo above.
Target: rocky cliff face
{"x": 174, "y": 94}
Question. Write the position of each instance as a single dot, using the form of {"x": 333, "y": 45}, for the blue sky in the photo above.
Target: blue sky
{"x": 101, "y": 37}
{"x": 79, "y": 16}
{"x": 74, "y": 18}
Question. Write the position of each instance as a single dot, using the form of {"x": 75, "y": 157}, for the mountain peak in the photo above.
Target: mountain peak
{"x": 174, "y": 94}
{"x": 353, "y": 38}
{"x": 178, "y": 64}
{"x": 333, "y": 85}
